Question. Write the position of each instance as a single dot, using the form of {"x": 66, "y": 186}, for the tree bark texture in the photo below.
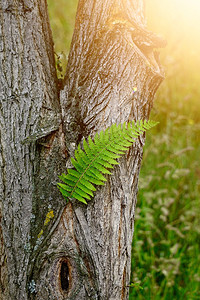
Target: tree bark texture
{"x": 29, "y": 122}
{"x": 50, "y": 250}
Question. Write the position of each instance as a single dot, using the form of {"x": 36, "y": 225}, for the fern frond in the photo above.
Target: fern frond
{"x": 99, "y": 155}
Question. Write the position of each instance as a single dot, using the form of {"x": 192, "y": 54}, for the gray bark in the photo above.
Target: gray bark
{"x": 29, "y": 111}
{"x": 82, "y": 252}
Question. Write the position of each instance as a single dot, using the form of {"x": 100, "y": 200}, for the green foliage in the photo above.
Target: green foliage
{"x": 97, "y": 157}
{"x": 166, "y": 243}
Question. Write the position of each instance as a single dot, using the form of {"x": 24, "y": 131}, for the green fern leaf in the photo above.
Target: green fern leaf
{"x": 91, "y": 179}
{"x": 73, "y": 173}
{"x": 66, "y": 187}
{"x": 97, "y": 156}
{"x": 85, "y": 189}
{"x": 77, "y": 196}
{"x": 88, "y": 184}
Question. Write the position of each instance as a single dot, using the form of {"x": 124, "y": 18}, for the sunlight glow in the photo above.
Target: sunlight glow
{"x": 188, "y": 11}
{"x": 177, "y": 19}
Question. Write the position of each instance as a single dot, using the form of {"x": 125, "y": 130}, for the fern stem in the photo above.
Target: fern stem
{"x": 90, "y": 165}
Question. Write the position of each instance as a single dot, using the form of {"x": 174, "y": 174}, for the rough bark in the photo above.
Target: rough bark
{"x": 83, "y": 252}
{"x": 29, "y": 118}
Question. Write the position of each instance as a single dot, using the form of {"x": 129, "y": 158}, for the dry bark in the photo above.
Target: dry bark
{"x": 84, "y": 252}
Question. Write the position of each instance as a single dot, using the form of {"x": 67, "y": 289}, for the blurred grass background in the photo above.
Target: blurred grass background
{"x": 166, "y": 244}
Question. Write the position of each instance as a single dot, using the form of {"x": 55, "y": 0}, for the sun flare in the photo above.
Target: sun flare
{"x": 178, "y": 20}
{"x": 188, "y": 11}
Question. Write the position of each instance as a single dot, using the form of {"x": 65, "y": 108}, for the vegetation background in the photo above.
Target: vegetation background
{"x": 166, "y": 244}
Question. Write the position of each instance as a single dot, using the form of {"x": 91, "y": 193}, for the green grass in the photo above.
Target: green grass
{"x": 166, "y": 244}
{"x": 62, "y": 18}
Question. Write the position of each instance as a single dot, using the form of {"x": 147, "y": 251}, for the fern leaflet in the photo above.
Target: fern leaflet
{"x": 99, "y": 155}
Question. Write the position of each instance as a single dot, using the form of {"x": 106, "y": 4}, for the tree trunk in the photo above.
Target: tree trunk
{"x": 50, "y": 250}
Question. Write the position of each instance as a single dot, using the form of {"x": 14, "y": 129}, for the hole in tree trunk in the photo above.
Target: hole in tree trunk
{"x": 64, "y": 276}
